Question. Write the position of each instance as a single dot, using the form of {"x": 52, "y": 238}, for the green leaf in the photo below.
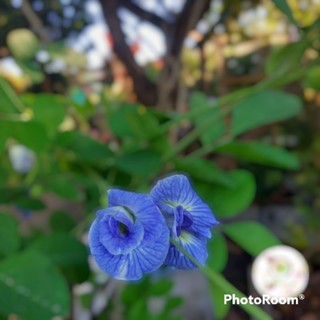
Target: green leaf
{"x": 9, "y": 235}
{"x": 160, "y": 288}
{"x": 264, "y": 108}
{"x": 61, "y": 222}
{"x": 284, "y": 7}
{"x": 63, "y": 186}
{"x": 138, "y": 310}
{"x": 31, "y": 134}
{"x": 159, "y": 144}
{"x": 31, "y": 288}
{"x": 199, "y": 99}
{"x": 84, "y": 147}
{"x": 133, "y": 120}
{"x": 139, "y": 163}
{"x": 9, "y": 195}
{"x": 3, "y": 138}
{"x": 67, "y": 253}
{"x": 230, "y": 201}
{"x": 312, "y": 79}
{"x": 31, "y": 69}
{"x": 204, "y": 170}
{"x": 128, "y": 295}
{"x": 48, "y": 109}
{"x": 252, "y": 236}
{"x": 9, "y": 101}
{"x": 220, "y": 309}
{"x": 29, "y": 203}
{"x": 261, "y": 153}
{"x": 285, "y": 58}
{"x": 217, "y": 253}
{"x": 172, "y": 303}
{"x": 18, "y": 197}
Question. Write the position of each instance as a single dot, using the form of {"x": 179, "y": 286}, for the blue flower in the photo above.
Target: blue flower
{"x": 188, "y": 218}
{"x": 130, "y": 237}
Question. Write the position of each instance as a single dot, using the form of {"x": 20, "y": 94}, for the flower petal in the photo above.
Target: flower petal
{"x": 172, "y": 192}
{"x": 114, "y": 265}
{"x": 143, "y": 246}
{"x": 175, "y": 191}
{"x": 144, "y": 209}
{"x": 195, "y": 245}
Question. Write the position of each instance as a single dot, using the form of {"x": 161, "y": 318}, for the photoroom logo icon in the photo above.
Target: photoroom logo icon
{"x": 263, "y": 300}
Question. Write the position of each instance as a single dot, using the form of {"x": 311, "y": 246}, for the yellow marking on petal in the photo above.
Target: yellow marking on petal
{"x": 185, "y": 237}
{"x": 175, "y": 204}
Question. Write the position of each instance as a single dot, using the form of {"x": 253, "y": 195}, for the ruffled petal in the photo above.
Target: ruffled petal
{"x": 143, "y": 245}
{"x": 144, "y": 209}
{"x": 203, "y": 219}
{"x": 175, "y": 191}
{"x": 153, "y": 255}
{"x": 195, "y": 245}
{"x": 114, "y": 265}
{"x": 172, "y": 192}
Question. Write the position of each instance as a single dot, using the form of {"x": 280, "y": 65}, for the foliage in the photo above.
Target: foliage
{"x": 87, "y": 141}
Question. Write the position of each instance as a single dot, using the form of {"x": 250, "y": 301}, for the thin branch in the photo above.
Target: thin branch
{"x": 144, "y": 88}
{"x": 186, "y": 21}
{"x": 145, "y": 15}
{"x": 224, "y": 15}
{"x": 35, "y": 22}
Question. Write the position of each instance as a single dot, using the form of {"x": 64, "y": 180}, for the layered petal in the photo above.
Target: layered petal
{"x": 194, "y": 244}
{"x": 188, "y": 218}
{"x": 175, "y": 191}
{"x": 122, "y": 238}
{"x": 144, "y": 210}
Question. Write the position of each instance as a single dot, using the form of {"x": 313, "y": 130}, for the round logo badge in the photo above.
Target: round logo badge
{"x": 280, "y": 271}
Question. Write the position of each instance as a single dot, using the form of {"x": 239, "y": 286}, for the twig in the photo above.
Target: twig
{"x": 35, "y": 23}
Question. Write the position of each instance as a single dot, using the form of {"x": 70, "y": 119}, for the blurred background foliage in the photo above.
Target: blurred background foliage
{"x": 96, "y": 94}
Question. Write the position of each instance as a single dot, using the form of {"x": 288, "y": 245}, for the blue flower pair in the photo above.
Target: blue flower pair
{"x": 131, "y": 236}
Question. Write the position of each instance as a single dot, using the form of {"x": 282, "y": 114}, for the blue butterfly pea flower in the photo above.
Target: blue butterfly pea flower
{"x": 130, "y": 237}
{"x": 188, "y": 218}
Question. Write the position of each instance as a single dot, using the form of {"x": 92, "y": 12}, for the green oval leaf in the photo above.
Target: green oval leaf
{"x": 84, "y": 147}
{"x": 263, "y": 108}
{"x": 199, "y": 99}
{"x": 261, "y": 153}
{"x": 9, "y": 235}
{"x": 220, "y": 309}
{"x": 31, "y": 134}
{"x": 48, "y": 109}
{"x": 142, "y": 162}
{"x": 252, "y": 236}
{"x": 62, "y": 185}
{"x": 218, "y": 252}
{"x": 204, "y": 170}
{"x": 61, "y": 222}
{"x": 229, "y": 201}
{"x": 32, "y": 288}
{"x": 67, "y": 253}
{"x": 285, "y": 8}
{"x": 133, "y": 120}
{"x": 9, "y": 100}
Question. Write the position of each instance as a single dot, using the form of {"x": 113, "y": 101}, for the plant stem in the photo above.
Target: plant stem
{"x": 210, "y": 147}
{"x": 194, "y": 134}
{"x": 218, "y": 280}
{"x": 272, "y": 82}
